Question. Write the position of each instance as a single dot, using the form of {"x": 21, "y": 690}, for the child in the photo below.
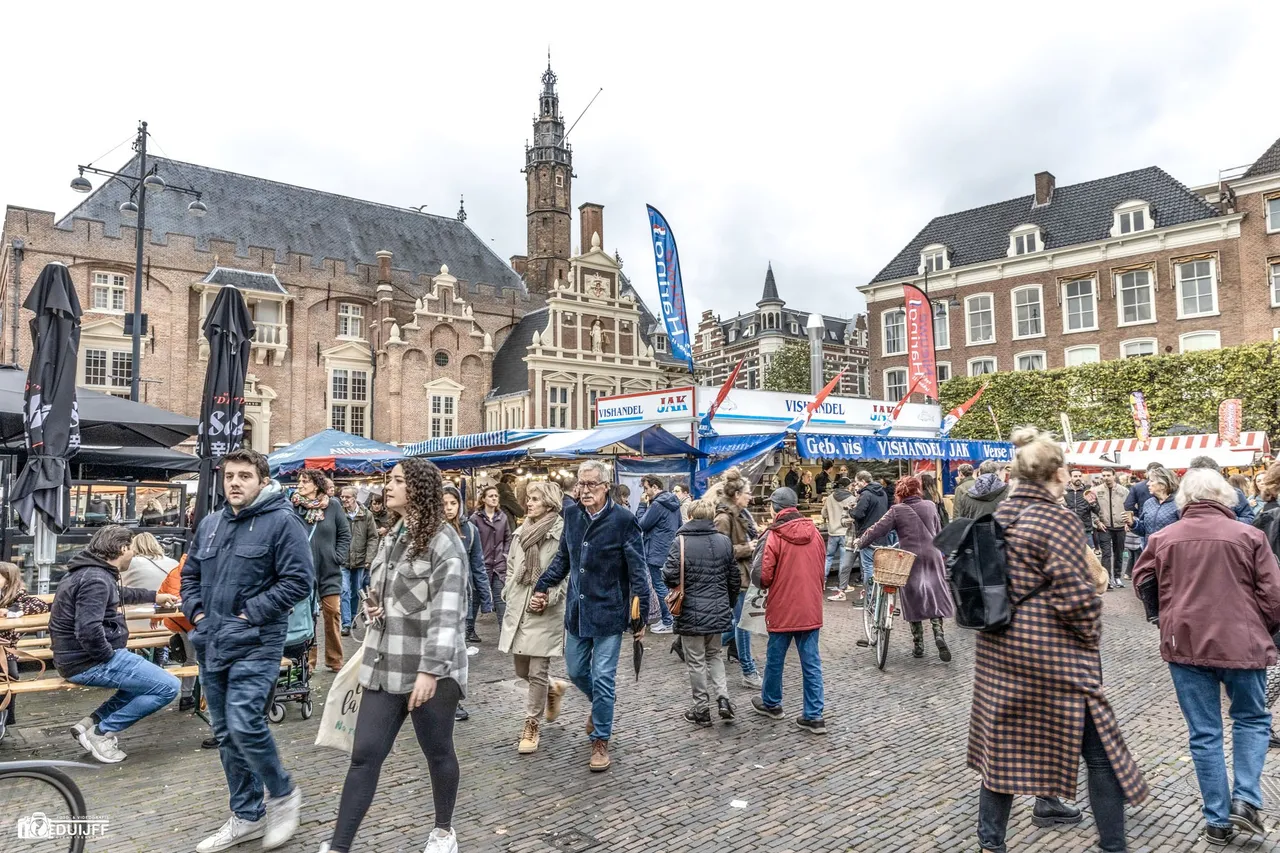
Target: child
{"x": 13, "y": 596}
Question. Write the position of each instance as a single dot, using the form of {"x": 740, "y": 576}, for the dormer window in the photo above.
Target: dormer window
{"x": 660, "y": 343}
{"x": 795, "y": 328}
{"x": 934, "y": 258}
{"x": 1132, "y": 217}
{"x": 1024, "y": 240}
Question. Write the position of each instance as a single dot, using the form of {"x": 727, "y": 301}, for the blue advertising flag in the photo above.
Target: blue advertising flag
{"x": 670, "y": 287}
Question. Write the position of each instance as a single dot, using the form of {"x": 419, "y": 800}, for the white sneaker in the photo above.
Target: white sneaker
{"x": 662, "y": 629}
{"x": 754, "y": 681}
{"x": 103, "y": 747}
{"x": 82, "y": 727}
{"x": 441, "y": 841}
{"x": 282, "y": 818}
{"x": 234, "y": 831}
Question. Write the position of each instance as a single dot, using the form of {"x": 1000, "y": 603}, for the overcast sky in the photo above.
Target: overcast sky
{"x": 821, "y": 137}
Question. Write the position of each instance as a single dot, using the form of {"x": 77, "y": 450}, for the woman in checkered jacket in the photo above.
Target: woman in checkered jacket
{"x": 414, "y": 655}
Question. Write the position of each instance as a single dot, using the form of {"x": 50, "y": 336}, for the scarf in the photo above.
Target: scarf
{"x": 532, "y": 535}
{"x": 313, "y": 509}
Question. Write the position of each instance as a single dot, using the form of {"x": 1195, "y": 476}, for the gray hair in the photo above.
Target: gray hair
{"x": 597, "y": 466}
{"x": 1164, "y": 476}
{"x": 1203, "y": 484}
{"x": 989, "y": 467}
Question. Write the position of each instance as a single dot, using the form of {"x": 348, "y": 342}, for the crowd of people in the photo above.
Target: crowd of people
{"x": 570, "y": 569}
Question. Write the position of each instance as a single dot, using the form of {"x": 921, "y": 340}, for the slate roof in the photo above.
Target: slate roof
{"x": 263, "y": 282}
{"x": 836, "y": 325}
{"x": 249, "y": 211}
{"x": 770, "y": 287}
{"x": 510, "y": 373}
{"x": 1266, "y": 164}
{"x": 1079, "y": 213}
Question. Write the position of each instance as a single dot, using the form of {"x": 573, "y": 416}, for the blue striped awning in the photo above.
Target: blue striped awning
{"x": 454, "y": 443}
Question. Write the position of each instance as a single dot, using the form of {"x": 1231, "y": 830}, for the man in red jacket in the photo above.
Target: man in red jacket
{"x": 793, "y": 570}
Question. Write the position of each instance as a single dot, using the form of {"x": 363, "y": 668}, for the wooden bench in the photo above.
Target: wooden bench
{"x": 57, "y": 682}
{"x": 46, "y": 653}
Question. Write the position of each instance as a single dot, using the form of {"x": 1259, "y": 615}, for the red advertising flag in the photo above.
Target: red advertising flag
{"x": 920, "y": 360}
{"x": 802, "y": 421}
{"x": 705, "y": 427}
{"x": 1230, "y": 413}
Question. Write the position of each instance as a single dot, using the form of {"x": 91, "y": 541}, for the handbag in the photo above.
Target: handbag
{"x": 675, "y": 597}
{"x": 342, "y": 707}
{"x": 753, "y": 606}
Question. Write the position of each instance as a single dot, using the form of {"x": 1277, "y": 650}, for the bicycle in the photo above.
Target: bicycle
{"x": 881, "y": 601}
{"x": 37, "y": 802}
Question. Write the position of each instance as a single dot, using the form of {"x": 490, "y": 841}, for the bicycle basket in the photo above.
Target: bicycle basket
{"x": 893, "y": 566}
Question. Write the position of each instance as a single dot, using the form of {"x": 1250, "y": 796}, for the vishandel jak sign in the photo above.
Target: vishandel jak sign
{"x": 825, "y": 446}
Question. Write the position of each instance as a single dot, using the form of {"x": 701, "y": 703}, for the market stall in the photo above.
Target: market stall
{"x": 339, "y": 452}
{"x": 1171, "y": 451}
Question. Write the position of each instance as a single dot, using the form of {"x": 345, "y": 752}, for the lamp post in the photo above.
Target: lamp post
{"x": 138, "y": 185}
{"x": 815, "y": 327}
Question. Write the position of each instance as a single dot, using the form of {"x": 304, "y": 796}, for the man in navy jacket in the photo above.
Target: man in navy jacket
{"x": 248, "y": 566}
{"x": 602, "y": 557}
{"x": 659, "y": 519}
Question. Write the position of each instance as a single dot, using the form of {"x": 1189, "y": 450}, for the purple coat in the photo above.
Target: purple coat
{"x": 926, "y": 595}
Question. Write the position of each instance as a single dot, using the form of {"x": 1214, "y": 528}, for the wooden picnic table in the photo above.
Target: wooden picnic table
{"x": 40, "y": 621}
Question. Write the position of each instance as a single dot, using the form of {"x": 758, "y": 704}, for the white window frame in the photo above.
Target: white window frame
{"x": 1273, "y": 270}
{"x": 941, "y": 312}
{"x": 443, "y": 414}
{"x": 1028, "y": 237}
{"x": 1155, "y": 347}
{"x": 995, "y": 366}
{"x": 349, "y": 405}
{"x": 939, "y": 366}
{"x": 1013, "y": 307}
{"x": 934, "y": 258}
{"x": 1182, "y": 340}
{"x": 1123, "y": 215}
{"x": 890, "y": 395}
{"x": 1092, "y": 349}
{"x": 884, "y": 332}
{"x": 115, "y": 284}
{"x": 559, "y": 402}
{"x": 968, "y": 326}
{"x": 1213, "y": 287}
{"x": 1044, "y": 360}
{"x": 119, "y": 385}
{"x": 1119, "y": 291}
{"x": 1271, "y": 207}
{"x": 347, "y": 319}
{"x": 1066, "y": 305}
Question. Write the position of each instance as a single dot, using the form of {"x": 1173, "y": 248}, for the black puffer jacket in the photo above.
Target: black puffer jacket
{"x": 86, "y": 623}
{"x": 711, "y": 579}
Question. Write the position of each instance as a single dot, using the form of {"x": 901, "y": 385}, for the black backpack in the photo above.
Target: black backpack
{"x": 978, "y": 573}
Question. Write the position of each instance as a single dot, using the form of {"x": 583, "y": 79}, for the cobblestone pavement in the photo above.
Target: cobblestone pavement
{"x": 889, "y": 775}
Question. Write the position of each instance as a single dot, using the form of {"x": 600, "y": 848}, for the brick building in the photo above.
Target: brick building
{"x": 1120, "y": 267}
{"x": 755, "y": 337}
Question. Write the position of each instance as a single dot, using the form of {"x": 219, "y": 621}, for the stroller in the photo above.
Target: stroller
{"x": 294, "y": 681}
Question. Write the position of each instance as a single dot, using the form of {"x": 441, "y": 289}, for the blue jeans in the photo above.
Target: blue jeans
{"x": 810, "y": 667}
{"x": 237, "y": 698}
{"x": 743, "y": 638}
{"x": 353, "y": 580}
{"x": 835, "y": 547}
{"x": 660, "y": 587}
{"x": 1200, "y": 698}
{"x": 592, "y": 665}
{"x": 142, "y": 688}
{"x": 481, "y": 598}
{"x": 868, "y": 556}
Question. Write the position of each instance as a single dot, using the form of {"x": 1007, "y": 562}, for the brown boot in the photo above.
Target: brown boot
{"x": 555, "y": 696}
{"x": 599, "y": 756}
{"x": 529, "y": 738}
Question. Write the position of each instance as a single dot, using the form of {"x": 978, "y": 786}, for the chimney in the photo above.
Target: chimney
{"x": 384, "y": 266}
{"x": 520, "y": 263}
{"x": 591, "y": 216}
{"x": 1044, "y": 188}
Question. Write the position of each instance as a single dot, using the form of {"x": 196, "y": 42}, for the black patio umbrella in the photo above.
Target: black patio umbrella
{"x": 229, "y": 330}
{"x": 52, "y": 422}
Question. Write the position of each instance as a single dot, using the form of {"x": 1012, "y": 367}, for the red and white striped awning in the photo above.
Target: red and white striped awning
{"x": 1172, "y": 451}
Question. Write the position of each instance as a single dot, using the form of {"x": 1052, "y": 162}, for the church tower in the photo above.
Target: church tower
{"x": 548, "y": 170}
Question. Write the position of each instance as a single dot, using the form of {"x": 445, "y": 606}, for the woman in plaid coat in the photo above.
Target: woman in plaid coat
{"x": 1038, "y": 703}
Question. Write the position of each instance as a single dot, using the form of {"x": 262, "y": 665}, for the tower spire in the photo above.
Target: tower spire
{"x": 548, "y": 169}
{"x": 770, "y": 287}
{"x": 462, "y": 209}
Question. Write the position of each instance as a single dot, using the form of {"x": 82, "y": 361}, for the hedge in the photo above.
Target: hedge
{"x": 1182, "y": 392}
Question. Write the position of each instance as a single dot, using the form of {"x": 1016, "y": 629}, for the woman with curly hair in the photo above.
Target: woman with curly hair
{"x": 925, "y": 596}
{"x": 415, "y": 656}
{"x": 329, "y": 533}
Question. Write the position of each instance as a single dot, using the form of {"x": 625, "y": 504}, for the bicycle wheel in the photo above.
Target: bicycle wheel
{"x": 868, "y": 611}
{"x": 884, "y": 622}
{"x": 25, "y": 793}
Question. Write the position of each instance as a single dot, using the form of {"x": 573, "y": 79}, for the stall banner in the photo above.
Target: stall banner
{"x": 803, "y": 420}
{"x": 1141, "y": 418}
{"x": 1229, "y": 417}
{"x": 920, "y": 358}
{"x": 670, "y": 286}
{"x": 826, "y": 446}
{"x": 953, "y": 417}
{"x": 704, "y": 428}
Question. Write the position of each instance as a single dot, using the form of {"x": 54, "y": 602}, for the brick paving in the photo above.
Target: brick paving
{"x": 889, "y": 775}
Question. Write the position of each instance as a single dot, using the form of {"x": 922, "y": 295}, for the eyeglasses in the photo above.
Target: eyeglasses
{"x": 596, "y": 484}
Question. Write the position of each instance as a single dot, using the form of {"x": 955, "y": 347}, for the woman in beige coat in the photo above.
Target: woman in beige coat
{"x": 535, "y": 638}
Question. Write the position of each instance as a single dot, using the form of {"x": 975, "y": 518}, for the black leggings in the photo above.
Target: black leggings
{"x": 380, "y": 718}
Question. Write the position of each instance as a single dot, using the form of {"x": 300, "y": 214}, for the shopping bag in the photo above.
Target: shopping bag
{"x": 342, "y": 706}
{"x": 752, "y": 619}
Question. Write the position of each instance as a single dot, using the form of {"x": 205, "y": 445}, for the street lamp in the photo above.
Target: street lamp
{"x": 138, "y": 185}
{"x": 815, "y": 327}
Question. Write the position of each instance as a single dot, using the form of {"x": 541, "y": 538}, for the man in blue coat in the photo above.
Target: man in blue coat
{"x": 659, "y": 519}
{"x": 248, "y": 566}
{"x": 602, "y": 556}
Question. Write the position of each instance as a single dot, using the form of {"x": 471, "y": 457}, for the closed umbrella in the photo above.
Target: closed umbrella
{"x": 229, "y": 330}
{"x": 49, "y": 407}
